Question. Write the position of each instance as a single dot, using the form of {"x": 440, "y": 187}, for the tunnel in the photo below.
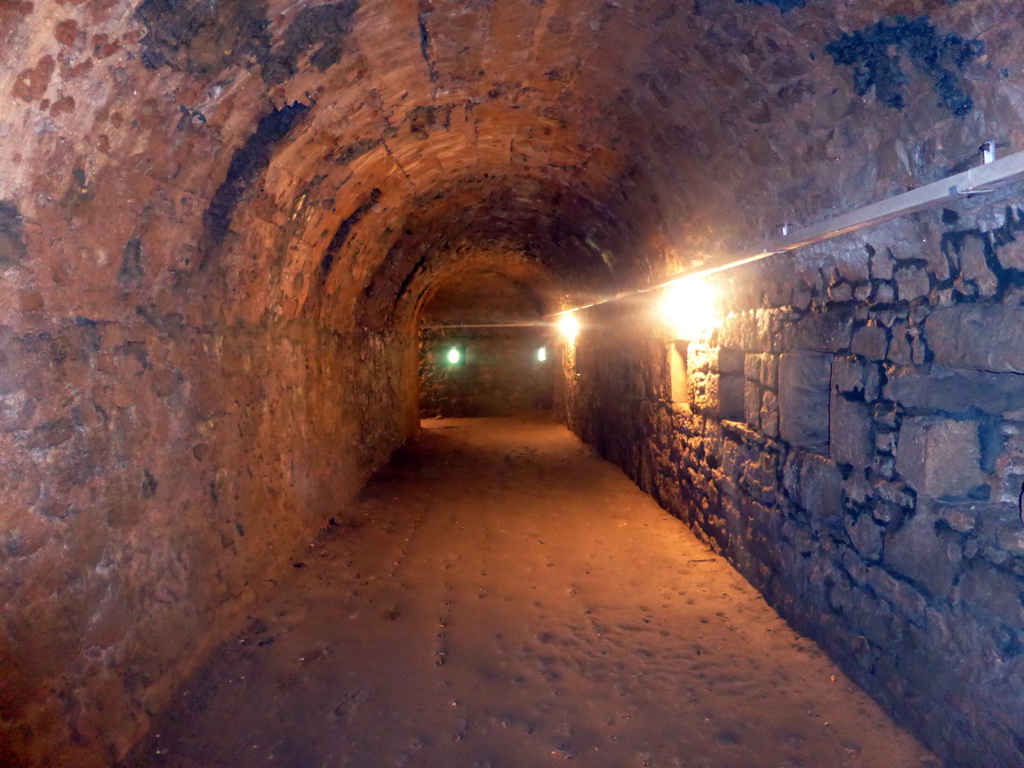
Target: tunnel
{"x": 249, "y": 247}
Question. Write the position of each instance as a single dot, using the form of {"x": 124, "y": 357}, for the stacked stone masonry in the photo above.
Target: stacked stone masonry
{"x": 871, "y": 487}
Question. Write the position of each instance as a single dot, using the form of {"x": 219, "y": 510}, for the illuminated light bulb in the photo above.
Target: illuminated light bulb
{"x": 542, "y": 354}
{"x": 569, "y": 326}
{"x": 454, "y": 356}
{"x": 689, "y": 310}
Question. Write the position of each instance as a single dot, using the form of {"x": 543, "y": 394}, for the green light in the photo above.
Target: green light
{"x": 454, "y": 356}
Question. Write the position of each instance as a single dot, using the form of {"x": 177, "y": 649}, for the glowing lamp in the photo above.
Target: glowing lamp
{"x": 542, "y": 354}
{"x": 454, "y": 356}
{"x": 689, "y": 310}
{"x": 569, "y": 326}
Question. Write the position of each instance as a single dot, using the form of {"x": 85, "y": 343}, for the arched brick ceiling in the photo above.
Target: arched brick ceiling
{"x": 297, "y": 158}
{"x": 506, "y": 290}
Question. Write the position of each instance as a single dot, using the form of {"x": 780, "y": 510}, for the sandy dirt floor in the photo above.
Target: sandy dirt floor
{"x": 500, "y": 597}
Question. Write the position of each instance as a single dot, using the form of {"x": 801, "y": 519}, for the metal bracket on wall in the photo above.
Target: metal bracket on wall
{"x": 988, "y": 152}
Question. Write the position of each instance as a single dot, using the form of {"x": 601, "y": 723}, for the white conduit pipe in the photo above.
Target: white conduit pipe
{"x": 522, "y": 324}
{"x": 976, "y": 181}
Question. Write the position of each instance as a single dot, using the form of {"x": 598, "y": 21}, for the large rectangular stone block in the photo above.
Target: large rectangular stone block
{"x": 850, "y": 435}
{"x": 941, "y": 388}
{"x": 871, "y": 342}
{"x": 741, "y": 330}
{"x": 816, "y": 484}
{"x": 820, "y": 332}
{"x": 752, "y": 367}
{"x": 752, "y": 403}
{"x": 994, "y": 590}
{"x": 803, "y": 399}
{"x": 988, "y": 337}
{"x": 730, "y": 396}
{"x": 921, "y": 552}
{"x": 730, "y": 361}
{"x": 940, "y": 458}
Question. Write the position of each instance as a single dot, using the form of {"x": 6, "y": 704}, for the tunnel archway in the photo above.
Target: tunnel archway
{"x": 484, "y": 341}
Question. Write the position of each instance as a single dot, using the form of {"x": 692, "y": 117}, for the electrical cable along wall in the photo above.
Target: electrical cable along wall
{"x": 981, "y": 180}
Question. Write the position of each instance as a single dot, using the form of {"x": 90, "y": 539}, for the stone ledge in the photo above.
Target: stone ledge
{"x": 986, "y": 337}
{"x": 923, "y": 554}
{"x": 941, "y": 388}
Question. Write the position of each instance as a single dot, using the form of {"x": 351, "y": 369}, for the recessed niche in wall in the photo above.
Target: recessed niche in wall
{"x": 677, "y": 372}
{"x": 804, "y": 382}
{"x": 730, "y": 384}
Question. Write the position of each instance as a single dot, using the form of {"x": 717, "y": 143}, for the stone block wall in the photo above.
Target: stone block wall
{"x": 870, "y": 485}
{"x": 501, "y": 375}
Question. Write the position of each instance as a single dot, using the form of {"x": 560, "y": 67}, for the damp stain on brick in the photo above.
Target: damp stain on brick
{"x": 424, "y": 119}
{"x": 12, "y": 235}
{"x": 131, "y": 261}
{"x": 874, "y": 55}
{"x": 149, "y": 484}
{"x": 354, "y": 151}
{"x": 91, "y": 340}
{"x": 30, "y": 84}
{"x": 320, "y": 31}
{"x": 425, "y": 10}
{"x": 343, "y": 231}
{"x": 247, "y": 163}
{"x": 407, "y": 281}
{"x": 393, "y": 265}
{"x": 782, "y": 5}
{"x": 79, "y": 191}
{"x": 202, "y": 38}
{"x": 50, "y": 435}
{"x": 188, "y": 117}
